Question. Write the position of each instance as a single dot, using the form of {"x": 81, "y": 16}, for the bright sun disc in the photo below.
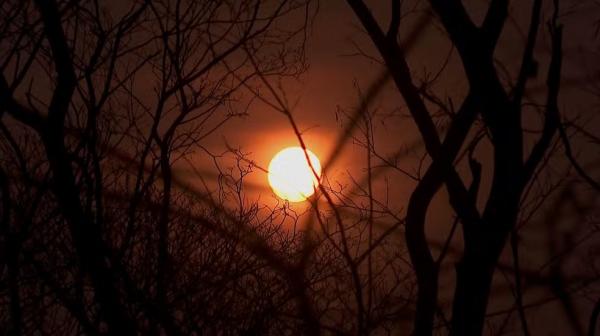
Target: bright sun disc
{"x": 290, "y": 175}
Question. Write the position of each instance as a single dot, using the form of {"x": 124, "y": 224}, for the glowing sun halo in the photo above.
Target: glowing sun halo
{"x": 290, "y": 175}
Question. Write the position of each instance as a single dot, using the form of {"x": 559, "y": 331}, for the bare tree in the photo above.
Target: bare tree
{"x": 495, "y": 109}
{"x": 108, "y": 227}
{"x": 86, "y": 148}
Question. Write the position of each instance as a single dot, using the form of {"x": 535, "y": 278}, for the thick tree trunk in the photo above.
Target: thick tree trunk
{"x": 474, "y": 276}
{"x": 425, "y": 268}
{"x": 86, "y": 236}
{"x": 475, "y": 272}
{"x": 163, "y": 269}
{"x": 13, "y": 286}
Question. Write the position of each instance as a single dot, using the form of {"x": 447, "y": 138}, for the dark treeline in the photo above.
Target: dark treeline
{"x": 101, "y": 233}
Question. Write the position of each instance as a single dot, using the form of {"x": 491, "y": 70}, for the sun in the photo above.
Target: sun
{"x": 290, "y": 175}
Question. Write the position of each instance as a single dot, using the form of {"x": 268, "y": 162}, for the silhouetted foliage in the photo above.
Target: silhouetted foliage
{"x": 101, "y": 232}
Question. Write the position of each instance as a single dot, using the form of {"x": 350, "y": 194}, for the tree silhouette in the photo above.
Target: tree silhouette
{"x": 76, "y": 96}
{"x": 500, "y": 110}
{"x": 103, "y": 232}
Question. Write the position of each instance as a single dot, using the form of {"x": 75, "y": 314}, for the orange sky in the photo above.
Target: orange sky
{"x": 329, "y": 84}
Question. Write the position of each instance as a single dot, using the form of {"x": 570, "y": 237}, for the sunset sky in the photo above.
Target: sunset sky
{"x": 147, "y": 150}
{"x": 336, "y": 70}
